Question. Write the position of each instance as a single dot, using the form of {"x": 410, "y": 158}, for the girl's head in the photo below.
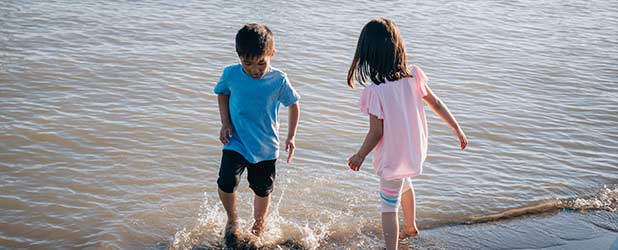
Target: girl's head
{"x": 380, "y": 54}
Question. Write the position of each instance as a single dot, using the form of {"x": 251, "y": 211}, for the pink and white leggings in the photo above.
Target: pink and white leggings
{"x": 390, "y": 193}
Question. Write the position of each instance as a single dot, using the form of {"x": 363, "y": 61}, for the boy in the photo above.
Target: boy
{"x": 249, "y": 96}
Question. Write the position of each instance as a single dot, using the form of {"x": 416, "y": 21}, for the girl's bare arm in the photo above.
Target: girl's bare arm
{"x": 438, "y": 107}
{"x": 371, "y": 140}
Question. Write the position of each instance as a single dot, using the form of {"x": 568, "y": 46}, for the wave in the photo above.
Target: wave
{"x": 606, "y": 199}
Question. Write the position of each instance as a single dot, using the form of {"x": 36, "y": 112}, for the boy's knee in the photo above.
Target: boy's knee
{"x": 262, "y": 177}
{"x": 262, "y": 184}
{"x": 262, "y": 191}
{"x": 232, "y": 166}
{"x": 228, "y": 184}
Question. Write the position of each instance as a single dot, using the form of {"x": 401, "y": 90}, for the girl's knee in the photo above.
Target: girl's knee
{"x": 406, "y": 185}
{"x": 388, "y": 208}
{"x": 390, "y": 193}
{"x": 389, "y": 203}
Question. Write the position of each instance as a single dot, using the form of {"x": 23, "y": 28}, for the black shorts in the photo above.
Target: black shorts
{"x": 261, "y": 175}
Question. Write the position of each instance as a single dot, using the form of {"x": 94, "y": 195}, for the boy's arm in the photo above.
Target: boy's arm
{"x": 371, "y": 140}
{"x": 438, "y": 107}
{"x": 226, "y": 125}
{"x": 293, "y": 117}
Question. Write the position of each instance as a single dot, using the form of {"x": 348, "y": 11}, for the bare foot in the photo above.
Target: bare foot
{"x": 408, "y": 232}
{"x": 258, "y": 228}
{"x": 230, "y": 237}
{"x": 231, "y": 229}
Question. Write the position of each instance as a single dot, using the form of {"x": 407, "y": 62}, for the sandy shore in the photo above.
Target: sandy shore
{"x": 564, "y": 230}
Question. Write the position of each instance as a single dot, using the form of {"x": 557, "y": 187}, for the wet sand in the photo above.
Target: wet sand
{"x": 564, "y": 230}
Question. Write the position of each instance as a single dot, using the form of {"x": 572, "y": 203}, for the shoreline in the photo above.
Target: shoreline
{"x": 565, "y": 230}
{"x": 588, "y": 222}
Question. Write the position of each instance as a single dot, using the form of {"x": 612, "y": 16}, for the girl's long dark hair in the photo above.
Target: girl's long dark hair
{"x": 380, "y": 54}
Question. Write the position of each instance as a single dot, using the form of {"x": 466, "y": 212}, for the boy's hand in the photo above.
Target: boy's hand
{"x": 462, "y": 139}
{"x": 355, "y": 162}
{"x": 290, "y": 146}
{"x": 225, "y": 134}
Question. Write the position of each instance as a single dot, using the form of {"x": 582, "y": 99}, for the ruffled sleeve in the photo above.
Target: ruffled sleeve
{"x": 421, "y": 79}
{"x": 370, "y": 103}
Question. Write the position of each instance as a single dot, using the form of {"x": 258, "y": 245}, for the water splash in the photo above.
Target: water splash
{"x": 606, "y": 199}
{"x": 281, "y": 233}
{"x": 210, "y": 221}
{"x": 339, "y": 228}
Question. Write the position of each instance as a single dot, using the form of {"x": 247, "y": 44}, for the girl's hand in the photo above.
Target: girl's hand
{"x": 355, "y": 162}
{"x": 462, "y": 139}
{"x": 225, "y": 134}
{"x": 290, "y": 146}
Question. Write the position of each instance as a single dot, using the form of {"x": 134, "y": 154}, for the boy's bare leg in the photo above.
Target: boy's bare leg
{"x": 408, "y": 204}
{"x": 229, "y": 203}
{"x": 260, "y": 209}
{"x": 390, "y": 226}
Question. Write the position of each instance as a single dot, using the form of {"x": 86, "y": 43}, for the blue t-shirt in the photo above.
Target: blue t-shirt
{"x": 254, "y": 107}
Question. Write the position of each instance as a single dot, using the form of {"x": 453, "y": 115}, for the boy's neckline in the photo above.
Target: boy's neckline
{"x": 270, "y": 69}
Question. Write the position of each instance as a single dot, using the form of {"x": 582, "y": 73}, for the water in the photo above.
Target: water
{"x": 109, "y": 126}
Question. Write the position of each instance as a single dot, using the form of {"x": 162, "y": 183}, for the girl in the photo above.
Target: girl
{"x": 397, "y": 126}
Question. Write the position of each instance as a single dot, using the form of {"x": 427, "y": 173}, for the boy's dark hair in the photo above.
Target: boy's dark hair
{"x": 254, "y": 40}
{"x": 380, "y": 54}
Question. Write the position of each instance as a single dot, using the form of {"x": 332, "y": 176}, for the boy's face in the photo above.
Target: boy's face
{"x": 255, "y": 66}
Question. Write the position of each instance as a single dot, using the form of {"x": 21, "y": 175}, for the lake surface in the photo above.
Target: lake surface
{"x": 109, "y": 125}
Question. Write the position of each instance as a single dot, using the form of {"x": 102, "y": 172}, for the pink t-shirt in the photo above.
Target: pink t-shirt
{"x": 403, "y": 147}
